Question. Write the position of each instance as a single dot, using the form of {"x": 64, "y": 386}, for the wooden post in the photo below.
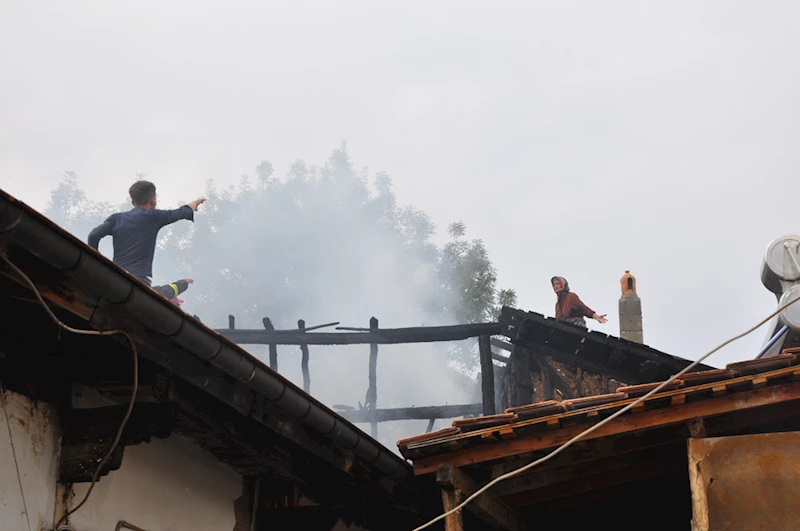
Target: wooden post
{"x": 301, "y": 325}
{"x": 547, "y": 383}
{"x": 273, "y": 348}
{"x": 697, "y": 428}
{"x": 518, "y": 385}
{"x": 371, "y": 401}
{"x": 457, "y": 486}
{"x": 487, "y": 375}
{"x": 430, "y": 425}
{"x": 450, "y": 499}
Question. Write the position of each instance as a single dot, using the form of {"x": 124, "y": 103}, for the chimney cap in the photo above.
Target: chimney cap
{"x": 628, "y": 283}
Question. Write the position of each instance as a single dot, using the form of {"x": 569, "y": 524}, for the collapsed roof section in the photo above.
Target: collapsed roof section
{"x": 623, "y": 360}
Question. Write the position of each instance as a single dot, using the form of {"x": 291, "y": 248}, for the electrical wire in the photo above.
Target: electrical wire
{"x": 14, "y": 453}
{"x": 78, "y": 331}
{"x": 599, "y": 424}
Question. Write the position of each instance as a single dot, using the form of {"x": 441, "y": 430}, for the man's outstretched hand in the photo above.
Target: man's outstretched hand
{"x": 196, "y": 203}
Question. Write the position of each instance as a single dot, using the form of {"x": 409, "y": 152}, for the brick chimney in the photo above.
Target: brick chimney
{"x": 630, "y": 310}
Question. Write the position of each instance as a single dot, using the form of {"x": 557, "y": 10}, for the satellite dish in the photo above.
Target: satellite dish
{"x": 781, "y": 264}
{"x": 791, "y": 315}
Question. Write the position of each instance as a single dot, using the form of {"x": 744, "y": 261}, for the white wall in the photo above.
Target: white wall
{"x": 34, "y": 431}
{"x": 165, "y": 485}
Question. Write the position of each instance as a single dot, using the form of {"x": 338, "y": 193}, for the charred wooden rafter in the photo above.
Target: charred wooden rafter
{"x": 371, "y": 398}
{"x": 487, "y": 375}
{"x": 593, "y": 351}
{"x": 386, "y": 336}
{"x": 413, "y": 413}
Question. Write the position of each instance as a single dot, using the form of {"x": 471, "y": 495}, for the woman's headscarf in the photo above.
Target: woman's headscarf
{"x": 562, "y": 279}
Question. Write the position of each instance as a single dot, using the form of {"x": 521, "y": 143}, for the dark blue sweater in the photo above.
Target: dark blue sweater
{"x": 134, "y": 234}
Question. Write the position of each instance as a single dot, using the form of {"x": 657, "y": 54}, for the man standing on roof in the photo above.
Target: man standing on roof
{"x": 134, "y": 232}
{"x": 569, "y": 306}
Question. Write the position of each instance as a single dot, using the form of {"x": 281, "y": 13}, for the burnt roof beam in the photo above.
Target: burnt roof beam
{"x": 386, "y": 336}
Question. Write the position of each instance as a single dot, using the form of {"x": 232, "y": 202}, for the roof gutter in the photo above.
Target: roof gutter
{"x": 21, "y": 224}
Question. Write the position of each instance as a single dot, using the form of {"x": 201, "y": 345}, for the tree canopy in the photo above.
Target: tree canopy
{"x": 322, "y": 243}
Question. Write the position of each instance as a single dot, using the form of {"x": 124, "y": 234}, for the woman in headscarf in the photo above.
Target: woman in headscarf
{"x": 569, "y": 306}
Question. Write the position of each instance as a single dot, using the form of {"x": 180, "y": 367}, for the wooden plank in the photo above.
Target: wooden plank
{"x": 487, "y": 375}
{"x": 499, "y": 357}
{"x": 641, "y": 444}
{"x": 518, "y": 385}
{"x": 647, "y": 419}
{"x": 52, "y": 286}
{"x": 499, "y": 343}
{"x": 413, "y": 413}
{"x": 570, "y": 359}
{"x": 386, "y": 336}
{"x": 547, "y": 383}
{"x": 659, "y": 466}
{"x": 487, "y": 507}
{"x": 547, "y": 477}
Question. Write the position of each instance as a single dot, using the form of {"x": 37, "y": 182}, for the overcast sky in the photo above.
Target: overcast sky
{"x": 578, "y": 139}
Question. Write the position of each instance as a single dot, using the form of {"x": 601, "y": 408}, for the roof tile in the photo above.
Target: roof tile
{"x": 642, "y": 389}
{"x": 696, "y": 384}
{"x": 479, "y": 423}
{"x": 540, "y": 409}
{"x": 762, "y": 364}
{"x": 589, "y": 401}
{"x": 446, "y": 432}
{"x": 702, "y": 377}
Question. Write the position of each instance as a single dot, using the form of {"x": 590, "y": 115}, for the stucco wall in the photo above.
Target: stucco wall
{"x": 34, "y": 431}
{"x": 164, "y": 485}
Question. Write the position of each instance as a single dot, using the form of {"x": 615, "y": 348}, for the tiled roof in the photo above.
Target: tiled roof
{"x": 535, "y": 419}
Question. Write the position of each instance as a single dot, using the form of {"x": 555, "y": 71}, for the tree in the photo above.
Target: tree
{"x": 323, "y": 243}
